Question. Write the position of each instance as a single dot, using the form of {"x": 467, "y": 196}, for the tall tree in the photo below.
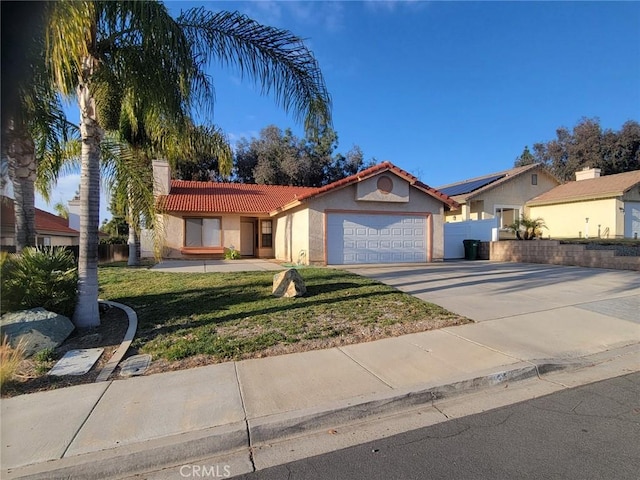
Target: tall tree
{"x": 108, "y": 51}
{"x": 525, "y": 158}
{"x": 280, "y": 158}
{"x": 33, "y": 123}
{"x": 587, "y": 145}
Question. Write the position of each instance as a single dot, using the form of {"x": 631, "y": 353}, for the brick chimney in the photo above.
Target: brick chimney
{"x": 587, "y": 173}
{"x": 161, "y": 177}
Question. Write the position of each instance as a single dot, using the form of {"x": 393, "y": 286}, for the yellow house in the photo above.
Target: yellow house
{"x": 592, "y": 206}
{"x": 500, "y": 195}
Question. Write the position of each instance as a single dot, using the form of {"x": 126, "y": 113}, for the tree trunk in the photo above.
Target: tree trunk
{"x": 21, "y": 158}
{"x": 133, "y": 232}
{"x": 86, "y": 314}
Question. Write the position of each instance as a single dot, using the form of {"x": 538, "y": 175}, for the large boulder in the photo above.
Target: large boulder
{"x": 288, "y": 284}
{"x": 39, "y": 329}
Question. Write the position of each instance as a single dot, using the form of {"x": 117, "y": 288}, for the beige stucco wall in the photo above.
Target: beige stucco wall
{"x": 567, "y": 220}
{"x": 291, "y": 236}
{"x": 310, "y": 218}
{"x": 511, "y": 194}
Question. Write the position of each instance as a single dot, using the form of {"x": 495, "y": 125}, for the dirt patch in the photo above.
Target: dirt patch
{"x": 31, "y": 376}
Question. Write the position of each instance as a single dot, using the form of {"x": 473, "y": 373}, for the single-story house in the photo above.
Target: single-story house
{"x": 51, "y": 230}
{"x": 591, "y": 206}
{"x": 500, "y": 195}
{"x": 380, "y": 215}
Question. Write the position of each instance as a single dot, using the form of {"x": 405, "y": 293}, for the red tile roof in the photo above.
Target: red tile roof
{"x": 45, "y": 222}
{"x": 212, "y": 197}
{"x": 189, "y": 196}
{"x": 591, "y": 189}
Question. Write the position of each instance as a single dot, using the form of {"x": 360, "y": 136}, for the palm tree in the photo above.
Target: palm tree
{"x": 527, "y": 228}
{"x": 33, "y": 123}
{"x": 115, "y": 54}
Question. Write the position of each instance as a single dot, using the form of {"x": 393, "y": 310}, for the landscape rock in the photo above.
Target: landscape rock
{"x": 288, "y": 284}
{"x": 39, "y": 328}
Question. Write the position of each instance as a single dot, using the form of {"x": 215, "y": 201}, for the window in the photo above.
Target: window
{"x": 507, "y": 215}
{"x": 202, "y": 232}
{"x": 266, "y": 231}
{"x": 43, "y": 241}
{"x": 534, "y": 179}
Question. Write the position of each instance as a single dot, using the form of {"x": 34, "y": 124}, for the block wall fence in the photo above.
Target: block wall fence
{"x": 555, "y": 253}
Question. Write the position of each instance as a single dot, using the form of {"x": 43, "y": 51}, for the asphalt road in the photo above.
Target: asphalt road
{"x": 589, "y": 432}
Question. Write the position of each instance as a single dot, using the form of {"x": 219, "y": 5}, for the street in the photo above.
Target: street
{"x": 589, "y": 432}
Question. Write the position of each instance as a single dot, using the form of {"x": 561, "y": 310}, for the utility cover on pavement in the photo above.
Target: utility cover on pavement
{"x": 76, "y": 362}
{"x": 135, "y": 365}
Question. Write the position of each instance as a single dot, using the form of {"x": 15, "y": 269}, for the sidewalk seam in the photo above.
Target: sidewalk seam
{"x": 86, "y": 419}
{"x": 246, "y": 421}
{"x": 493, "y": 349}
{"x": 365, "y": 368}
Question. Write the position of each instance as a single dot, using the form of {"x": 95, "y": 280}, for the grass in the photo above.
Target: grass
{"x": 220, "y": 317}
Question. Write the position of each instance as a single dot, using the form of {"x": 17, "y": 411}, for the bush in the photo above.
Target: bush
{"x": 39, "y": 277}
{"x": 231, "y": 254}
{"x": 527, "y": 228}
{"x": 10, "y": 358}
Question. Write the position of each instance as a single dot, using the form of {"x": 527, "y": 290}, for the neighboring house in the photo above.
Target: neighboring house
{"x": 380, "y": 215}
{"x": 51, "y": 230}
{"x": 500, "y": 195}
{"x": 592, "y": 206}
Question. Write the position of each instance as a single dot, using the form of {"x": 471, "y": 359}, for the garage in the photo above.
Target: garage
{"x": 632, "y": 219}
{"x": 354, "y": 238}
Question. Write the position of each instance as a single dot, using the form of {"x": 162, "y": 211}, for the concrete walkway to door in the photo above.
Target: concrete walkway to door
{"x": 222, "y": 266}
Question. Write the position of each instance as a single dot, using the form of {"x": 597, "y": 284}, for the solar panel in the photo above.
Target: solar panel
{"x": 470, "y": 186}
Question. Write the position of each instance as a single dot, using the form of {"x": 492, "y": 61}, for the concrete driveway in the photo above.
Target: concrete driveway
{"x": 482, "y": 290}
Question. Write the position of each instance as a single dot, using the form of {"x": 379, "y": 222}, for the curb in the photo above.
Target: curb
{"x": 170, "y": 451}
{"x": 113, "y": 362}
{"x": 291, "y": 424}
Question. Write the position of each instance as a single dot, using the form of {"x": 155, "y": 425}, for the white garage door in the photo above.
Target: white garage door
{"x": 366, "y": 238}
{"x": 632, "y": 219}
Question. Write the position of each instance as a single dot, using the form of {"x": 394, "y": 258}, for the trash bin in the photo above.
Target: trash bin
{"x": 471, "y": 249}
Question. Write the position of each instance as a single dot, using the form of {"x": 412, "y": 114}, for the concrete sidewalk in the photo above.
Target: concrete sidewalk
{"x": 109, "y": 429}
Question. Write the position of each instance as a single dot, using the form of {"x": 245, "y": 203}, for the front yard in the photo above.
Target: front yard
{"x": 194, "y": 319}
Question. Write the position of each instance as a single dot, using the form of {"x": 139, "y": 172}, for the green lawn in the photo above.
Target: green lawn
{"x": 233, "y": 315}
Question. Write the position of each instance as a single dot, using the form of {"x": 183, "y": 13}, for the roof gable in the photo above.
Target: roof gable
{"x": 466, "y": 189}
{"x": 601, "y": 187}
{"x": 370, "y": 172}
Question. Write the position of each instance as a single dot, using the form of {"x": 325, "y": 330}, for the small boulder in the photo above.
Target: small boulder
{"x": 39, "y": 328}
{"x": 288, "y": 284}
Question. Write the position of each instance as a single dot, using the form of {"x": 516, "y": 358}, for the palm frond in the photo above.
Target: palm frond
{"x": 275, "y": 58}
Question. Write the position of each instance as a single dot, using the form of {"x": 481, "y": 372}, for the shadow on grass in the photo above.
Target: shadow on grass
{"x": 169, "y": 312}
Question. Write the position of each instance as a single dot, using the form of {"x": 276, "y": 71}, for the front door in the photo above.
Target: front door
{"x": 247, "y": 239}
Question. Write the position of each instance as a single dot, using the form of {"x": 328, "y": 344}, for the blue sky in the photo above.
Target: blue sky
{"x": 444, "y": 90}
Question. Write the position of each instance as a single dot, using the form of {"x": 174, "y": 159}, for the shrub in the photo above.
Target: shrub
{"x": 40, "y": 277}
{"x": 527, "y": 228}
{"x": 231, "y": 254}
{"x": 10, "y": 358}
